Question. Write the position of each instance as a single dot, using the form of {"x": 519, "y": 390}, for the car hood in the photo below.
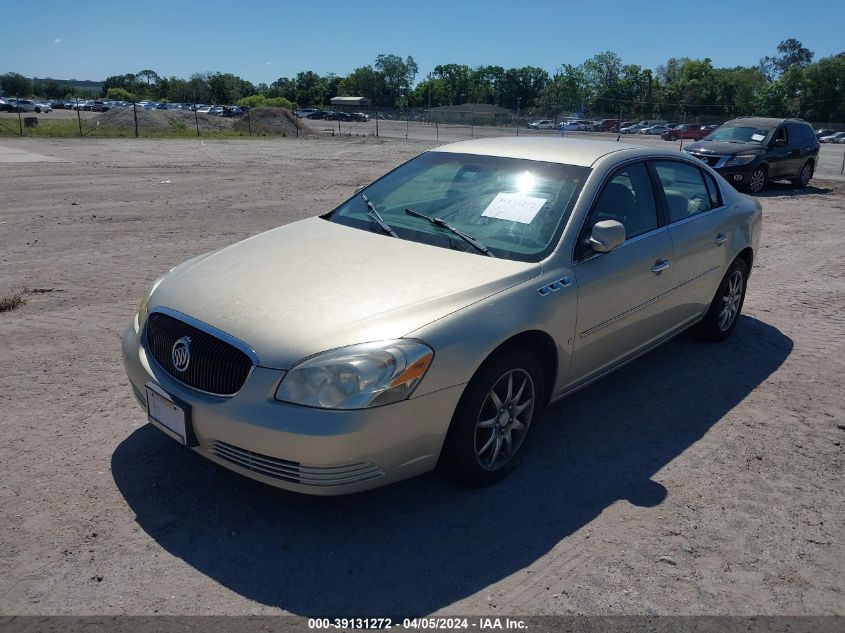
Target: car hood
{"x": 314, "y": 285}
{"x": 724, "y": 148}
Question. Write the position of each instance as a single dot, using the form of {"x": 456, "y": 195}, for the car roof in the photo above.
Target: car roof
{"x": 758, "y": 121}
{"x": 566, "y": 151}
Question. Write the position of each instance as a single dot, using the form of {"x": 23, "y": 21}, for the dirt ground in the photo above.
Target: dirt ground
{"x": 701, "y": 479}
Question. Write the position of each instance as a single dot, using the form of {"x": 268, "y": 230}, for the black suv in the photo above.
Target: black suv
{"x": 750, "y": 151}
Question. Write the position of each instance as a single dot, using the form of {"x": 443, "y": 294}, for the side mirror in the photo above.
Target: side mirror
{"x": 780, "y": 142}
{"x": 607, "y": 235}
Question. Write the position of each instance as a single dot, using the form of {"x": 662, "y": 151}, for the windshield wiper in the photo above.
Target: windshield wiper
{"x": 443, "y": 224}
{"x": 371, "y": 210}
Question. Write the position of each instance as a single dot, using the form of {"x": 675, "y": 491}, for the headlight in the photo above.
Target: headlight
{"x": 143, "y": 307}
{"x": 357, "y": 377}
{"x": 740, "y": 159}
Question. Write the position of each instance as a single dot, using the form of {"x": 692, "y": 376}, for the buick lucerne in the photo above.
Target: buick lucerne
{"x": 426, "y": 321}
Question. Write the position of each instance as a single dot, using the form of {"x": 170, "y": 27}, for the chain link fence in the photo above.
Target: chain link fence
{"x": 80, "y": 118}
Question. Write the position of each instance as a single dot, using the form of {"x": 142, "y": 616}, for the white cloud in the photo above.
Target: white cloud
{"x": 58, "y": 40}
{"x": 268, "y": 63}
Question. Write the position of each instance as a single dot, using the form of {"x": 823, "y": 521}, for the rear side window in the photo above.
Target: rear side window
{"x": 796, "y": 133}
{"x": 713, "y": 190}
{"x": 683, "y": 185}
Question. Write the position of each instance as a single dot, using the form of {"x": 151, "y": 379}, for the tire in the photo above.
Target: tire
{"x": 671, "y": 138}
{"x": 726, "y": 306}
{"x": 757, "y": 180}
{"x": 804, "y": 175}
{"x": 38, "y": 110}
{"x": 493, "y": 419}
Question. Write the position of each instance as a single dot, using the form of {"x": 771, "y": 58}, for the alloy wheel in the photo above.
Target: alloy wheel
{"x": 504, "y": 418}
{"x": 758, "y": 179}
{"x": 731, "y": 300}
{"x": 806, "y": 174}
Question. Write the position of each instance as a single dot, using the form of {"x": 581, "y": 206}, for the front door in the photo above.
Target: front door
{"x": 621, "y": 294}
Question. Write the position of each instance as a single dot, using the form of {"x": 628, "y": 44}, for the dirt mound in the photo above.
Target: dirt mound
{"x": 270, "y": 121}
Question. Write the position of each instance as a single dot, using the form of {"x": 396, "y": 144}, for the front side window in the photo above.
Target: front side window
{"x": 514, "y": 207}
{"x": 684, "y": 189}
{"x": 628, "y": 198}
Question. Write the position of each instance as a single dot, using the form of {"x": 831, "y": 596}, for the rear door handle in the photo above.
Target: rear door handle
{"x": 661, "y": 265}
{"x": 721, "y": 238}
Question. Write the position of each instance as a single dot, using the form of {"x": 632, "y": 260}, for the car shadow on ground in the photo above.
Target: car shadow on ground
{"x": 420, "y": 545}
{"x": 785, "y": 189}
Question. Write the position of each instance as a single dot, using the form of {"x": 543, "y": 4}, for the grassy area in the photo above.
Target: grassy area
{"x": 69, "y": 128}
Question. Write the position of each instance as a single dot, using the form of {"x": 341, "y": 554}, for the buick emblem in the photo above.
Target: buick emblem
{"x": 180, "y": 354}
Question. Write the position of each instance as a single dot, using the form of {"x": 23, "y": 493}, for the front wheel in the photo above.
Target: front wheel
{"x": 493, "y": 419}
{"x": 726, "y": 306}
{"x": 757, "y": 181}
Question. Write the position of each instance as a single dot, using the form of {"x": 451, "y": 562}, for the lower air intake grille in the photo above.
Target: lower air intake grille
{"x": 293, "y": 471}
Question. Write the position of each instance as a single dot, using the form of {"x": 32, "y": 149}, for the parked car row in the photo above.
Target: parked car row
{"x": 330, "y": 115}
{"x": 830, "y": 136}
{"x": 24, "y": 105}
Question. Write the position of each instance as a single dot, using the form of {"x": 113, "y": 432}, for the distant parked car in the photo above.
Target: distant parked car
{"x": 306, "y": 113}
{"x": 569, "y": 126}
{"x": 822, "y": 132}
{"x": 631, "y": 129}
{"x": 542, "y": 124}
{"x": 204, "y": 109}
{"x": 605, "y": 125}
{"x": 835, "y": 137}
{"x": 24, "y": 105}
{"x": 694, "y": 132}
{"x": 655, "y": 130}
{"x": 751, "y": 151}
{"x": 5, "y": 106}
{"x": 361, "y": 116}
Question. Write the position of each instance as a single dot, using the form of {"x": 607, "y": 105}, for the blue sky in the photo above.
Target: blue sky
{"x": 262, "y": 41}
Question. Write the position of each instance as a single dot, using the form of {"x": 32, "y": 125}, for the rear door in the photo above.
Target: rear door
{"x": 621, "y": 294}
{"x": 700, "y": 227}
{"x": 779, "y": 154}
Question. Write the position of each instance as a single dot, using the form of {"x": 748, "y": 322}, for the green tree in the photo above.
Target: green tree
{"x": 14, "y": 84}
{"x": 120, "y": 94}
{"x": 792, "y": 53}
{"x": 398, "y": 76}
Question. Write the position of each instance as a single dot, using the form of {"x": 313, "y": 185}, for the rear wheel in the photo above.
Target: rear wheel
{"x": 757, "y": 181}
{"x": 804, "y": 175}
{"x": 493, "y": 418}
{"x": 726, "y": 306}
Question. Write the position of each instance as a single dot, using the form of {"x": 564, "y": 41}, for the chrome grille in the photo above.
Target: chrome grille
{"x": 294, "y": 472}
{"x": 215, "y": 367}
{"x": 707, "y": 158}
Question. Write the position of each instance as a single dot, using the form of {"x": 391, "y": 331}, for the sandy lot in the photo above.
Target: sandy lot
{"x": 702, "y": 479}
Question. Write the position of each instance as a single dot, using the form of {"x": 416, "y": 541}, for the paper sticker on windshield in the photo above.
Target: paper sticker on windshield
{"x": 758, "y": 137}
{"x": 514, "y": 207}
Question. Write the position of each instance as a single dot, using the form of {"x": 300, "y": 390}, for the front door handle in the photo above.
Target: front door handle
{"x": 721, "y": 238}
{"x": 661, "y": 265}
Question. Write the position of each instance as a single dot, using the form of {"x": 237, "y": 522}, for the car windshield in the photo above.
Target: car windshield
{"x": 739, "y": 135}
{"x": 515, "y": 207}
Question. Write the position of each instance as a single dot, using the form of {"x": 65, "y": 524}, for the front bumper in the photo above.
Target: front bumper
{"x": 303, "y": 449}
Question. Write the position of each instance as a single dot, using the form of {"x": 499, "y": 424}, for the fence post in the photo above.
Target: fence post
{"x": 436, "y": 129}
{"x": 135, "y": 115}
{"x": 376, "y": 122}
{"x": 407, "y": 116}
{"x": 20, "y": 124}
{"x": 196, "y": 119}
{"x": 683, "y": 128}
{"x": 78, "y": 116}
{"x": 472, "y": 121}
{"x": 842, "y": 170}
{"x": 338, "y": 126}
{"x": 249, "y": 122}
